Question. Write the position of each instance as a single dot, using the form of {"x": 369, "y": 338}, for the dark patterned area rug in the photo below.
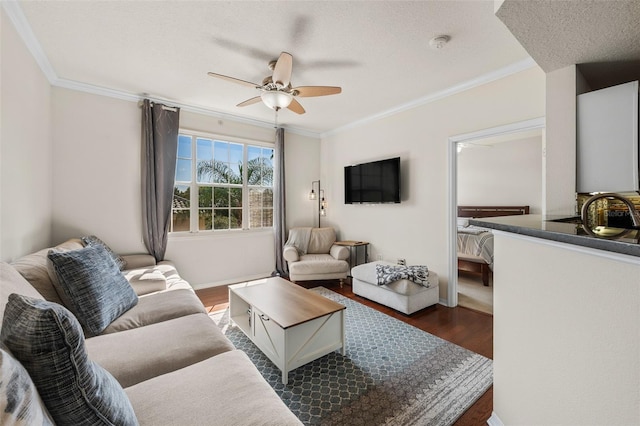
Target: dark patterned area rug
{"x": 392, "y": 374}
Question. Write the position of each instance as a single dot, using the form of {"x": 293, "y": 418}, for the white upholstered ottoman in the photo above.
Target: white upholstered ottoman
{"x": 402, "y": 295}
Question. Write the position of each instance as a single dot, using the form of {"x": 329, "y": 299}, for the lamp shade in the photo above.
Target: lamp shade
{"x": 276, "y": 99}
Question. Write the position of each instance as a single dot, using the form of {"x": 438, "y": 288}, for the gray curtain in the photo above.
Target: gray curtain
{"x": 279, "y": 205}
{"x": 159, "y": 151}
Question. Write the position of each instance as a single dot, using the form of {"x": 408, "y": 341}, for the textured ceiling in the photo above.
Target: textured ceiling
{"x": 377, "y": 51}
{"x": 561, "y": 33}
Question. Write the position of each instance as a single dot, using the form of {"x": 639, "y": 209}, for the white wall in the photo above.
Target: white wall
{"x": 566, "y": 335}
{"x": 416, "y": 229}
{"x": 25, "y": 149}
{"x": 97, "y": 155}
{"x": 560, "y": 167}
{"x": 506, "y": 173}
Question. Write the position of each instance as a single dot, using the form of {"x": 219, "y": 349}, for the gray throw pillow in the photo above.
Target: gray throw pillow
{"x": 47, "y": 339}
{"x": 92, "y": 286}
{"x": 20, "y": 403}
{"x": 93, "y": 240}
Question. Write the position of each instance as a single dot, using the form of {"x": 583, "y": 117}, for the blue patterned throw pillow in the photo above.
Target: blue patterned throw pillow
{"x": 91, "y": 285}
{"x": 93, "y": 240}
{"x": 48, "y": 341}
{"x": 20, "y": 403}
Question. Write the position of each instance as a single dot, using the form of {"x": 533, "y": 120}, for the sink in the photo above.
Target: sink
{"x": 575, "y": 219}
{"x": 606, "y": 232}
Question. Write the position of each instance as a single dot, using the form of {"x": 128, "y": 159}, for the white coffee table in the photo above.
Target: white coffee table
{"x": 291, "y": 325}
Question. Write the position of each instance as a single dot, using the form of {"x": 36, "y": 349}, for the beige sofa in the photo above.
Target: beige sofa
{"x": 175, "y": 365}
{"x": 312, "y": 255}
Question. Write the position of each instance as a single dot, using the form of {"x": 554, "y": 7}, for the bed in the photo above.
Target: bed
{"x": 475, "y": 245}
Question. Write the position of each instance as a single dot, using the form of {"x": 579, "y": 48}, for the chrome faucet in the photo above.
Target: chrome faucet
{"x": 635, "y": 215}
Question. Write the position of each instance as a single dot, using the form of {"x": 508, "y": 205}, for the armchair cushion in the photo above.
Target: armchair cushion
{"x": 321, "y": 240}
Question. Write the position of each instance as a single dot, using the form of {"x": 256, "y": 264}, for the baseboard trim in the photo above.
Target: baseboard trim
{"x": 230, "y": 281}
{"x": 494, "y": 420}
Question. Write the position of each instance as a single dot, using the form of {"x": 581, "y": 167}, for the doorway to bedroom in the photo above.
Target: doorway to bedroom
{"x": 494, "y": 173}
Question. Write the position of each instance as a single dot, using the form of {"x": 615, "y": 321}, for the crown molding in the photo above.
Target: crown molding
{"x": 132, "y": 97}
{"x": 15, "y": 14}
{"x": 514, "y": 68}
{"x": 19, "y": 20}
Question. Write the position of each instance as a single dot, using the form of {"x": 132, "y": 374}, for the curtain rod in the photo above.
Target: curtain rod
{"x": 164, "y": 107}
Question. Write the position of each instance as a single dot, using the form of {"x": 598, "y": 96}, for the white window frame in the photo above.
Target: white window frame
{"x": 193, "y": 201}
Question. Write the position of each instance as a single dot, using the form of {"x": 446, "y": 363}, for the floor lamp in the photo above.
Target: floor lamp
{"x": 322, "y": 204}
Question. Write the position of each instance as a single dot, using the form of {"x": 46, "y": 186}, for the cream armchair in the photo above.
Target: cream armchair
{"x": 311, "y": 255}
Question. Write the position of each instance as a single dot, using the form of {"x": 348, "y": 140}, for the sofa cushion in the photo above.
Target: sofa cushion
{"x": 226, "y": 389}
{"x": 34, "y": 268}
{"x": 20, "y": 403}
{"x": 92, "y": 286}
{"x": 133, "y": 261}
{"x": 157, "y": 307}
{"x": 146, "y": 280}
{"x": 13, "y": 282}
{"x": 321, "y": 240}
{"x": 47, "y": 339}
{"x": 93, "y": 240}
{"x": 149, "y": 352}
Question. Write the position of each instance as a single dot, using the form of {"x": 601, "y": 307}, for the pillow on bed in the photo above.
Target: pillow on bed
{"x": 464, "y": 221}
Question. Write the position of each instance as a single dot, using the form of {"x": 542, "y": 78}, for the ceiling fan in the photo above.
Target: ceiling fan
{"x": 276, "y": 89}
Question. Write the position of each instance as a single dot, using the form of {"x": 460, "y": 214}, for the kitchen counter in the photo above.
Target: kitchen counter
{"x": 571, "y": 233}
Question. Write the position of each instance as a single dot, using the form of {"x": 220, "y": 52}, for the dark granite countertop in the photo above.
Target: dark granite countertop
{"x": 570, "y": 233}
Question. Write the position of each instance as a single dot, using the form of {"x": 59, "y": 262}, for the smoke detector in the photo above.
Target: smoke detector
{"x": 438, "y": 42}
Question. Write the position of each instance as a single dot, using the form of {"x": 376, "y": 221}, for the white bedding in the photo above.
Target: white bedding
{"x": 476, "y": 241}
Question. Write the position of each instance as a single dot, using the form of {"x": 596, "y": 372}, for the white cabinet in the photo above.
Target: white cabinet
{"x": 607, "y": 140}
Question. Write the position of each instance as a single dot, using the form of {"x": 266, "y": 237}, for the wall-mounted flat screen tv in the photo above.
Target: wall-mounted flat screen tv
{"x": 372, "y": 183}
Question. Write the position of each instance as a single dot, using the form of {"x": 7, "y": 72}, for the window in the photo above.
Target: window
{"x": 215, "y": 191}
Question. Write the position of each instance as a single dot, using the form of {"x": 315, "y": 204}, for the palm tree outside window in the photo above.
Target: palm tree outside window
{"x": 214, "y": 190}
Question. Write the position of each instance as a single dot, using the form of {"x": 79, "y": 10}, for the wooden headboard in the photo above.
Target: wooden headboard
{"x": 491, "y": 211}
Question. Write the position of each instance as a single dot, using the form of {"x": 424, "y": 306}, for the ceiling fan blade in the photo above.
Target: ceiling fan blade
{"x": 235, "y": 80}
{"x": 308, "y": 91}
{"x": 250, "y": 101}
{"x": 296, "y": 107}
{"x": 283, "y": 68}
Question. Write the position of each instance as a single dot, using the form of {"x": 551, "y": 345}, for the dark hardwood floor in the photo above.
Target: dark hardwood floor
{"x": 467, "y": 328}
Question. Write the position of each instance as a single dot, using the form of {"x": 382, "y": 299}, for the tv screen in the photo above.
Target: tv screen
{"x": 372, "y": 183}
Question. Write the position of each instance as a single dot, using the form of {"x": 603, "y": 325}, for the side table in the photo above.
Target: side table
{"x": 353, "y": 247}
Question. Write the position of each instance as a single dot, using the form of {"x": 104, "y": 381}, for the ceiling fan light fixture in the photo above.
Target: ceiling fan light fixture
{"x": 276, "y": 99}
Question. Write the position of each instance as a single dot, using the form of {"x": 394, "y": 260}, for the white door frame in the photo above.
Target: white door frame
{"x": 521, "y": 126}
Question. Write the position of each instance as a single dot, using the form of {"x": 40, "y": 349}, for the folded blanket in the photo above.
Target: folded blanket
{"x": 299, "y": 238}
{"x": 387, "y": 274}
{"x": 474, "y": 230}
